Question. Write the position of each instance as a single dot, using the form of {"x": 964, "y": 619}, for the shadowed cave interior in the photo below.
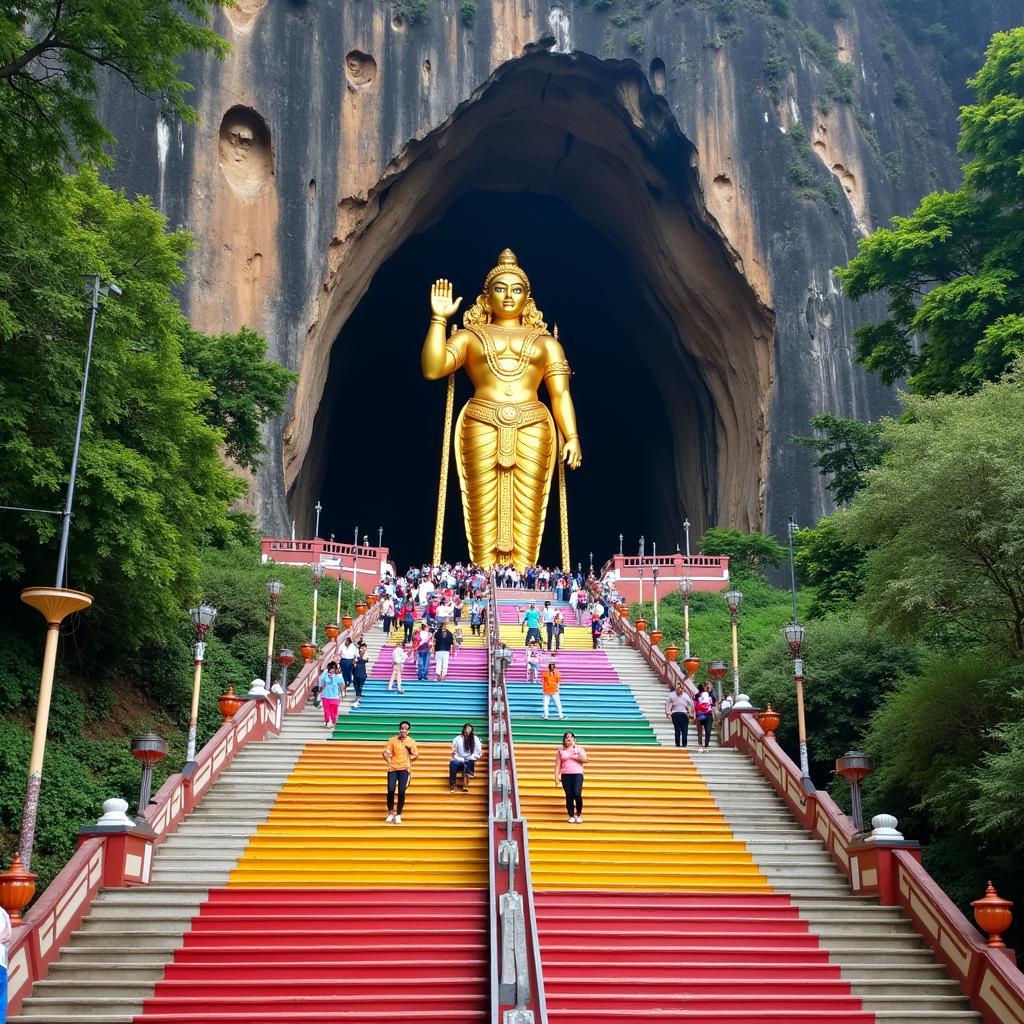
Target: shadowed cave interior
{"x": 581, "y": 282}
{"x": 576, "y": 165}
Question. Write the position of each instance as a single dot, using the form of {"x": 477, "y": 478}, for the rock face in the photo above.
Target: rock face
{"x": 733, "y": 150}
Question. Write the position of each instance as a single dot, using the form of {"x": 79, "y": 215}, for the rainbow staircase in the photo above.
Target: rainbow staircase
{"x": 687, "y": 893}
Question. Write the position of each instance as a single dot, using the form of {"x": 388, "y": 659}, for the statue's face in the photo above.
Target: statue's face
{"x": 507, "y": 295}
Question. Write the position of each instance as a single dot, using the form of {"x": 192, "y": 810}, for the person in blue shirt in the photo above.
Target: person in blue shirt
{"x": 330, "y": 693}
{"x": 532, "y": 621}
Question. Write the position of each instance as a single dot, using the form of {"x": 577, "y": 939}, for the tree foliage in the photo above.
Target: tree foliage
{"x": 953, "y": 270}
{"x": 943, "y": 520}
{"x": 831, "y": 566}
{"x": 847, "y": 450}
{"x": 51, "y": 54}
{"x": 849, "y": 669}
{"x": 152, "y": 486}
{"x": 749, "y": 552}
{"x": 246, "y": 389}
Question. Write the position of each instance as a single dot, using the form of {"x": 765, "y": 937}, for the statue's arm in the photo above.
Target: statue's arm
{"x": 441, "y": 356}
{"x": 556, "y": 377}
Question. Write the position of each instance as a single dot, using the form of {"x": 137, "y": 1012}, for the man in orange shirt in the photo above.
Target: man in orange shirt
{"x": 399, "y": 754}
{"x": 549, "y": 682}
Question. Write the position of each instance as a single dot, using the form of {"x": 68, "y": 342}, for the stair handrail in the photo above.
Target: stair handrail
{"x": 517, "y": 986}
{"x": 59, "y": 909}
{"x": 987, "y": 975}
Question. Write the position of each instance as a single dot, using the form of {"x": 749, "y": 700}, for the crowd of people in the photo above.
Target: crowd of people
{"x": 431, "y": 603}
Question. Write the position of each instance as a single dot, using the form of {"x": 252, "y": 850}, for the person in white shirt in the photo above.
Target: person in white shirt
{"x": 347, "y": 653}
{"x": 399, "y": 657}
{"x": 466, "y": 750}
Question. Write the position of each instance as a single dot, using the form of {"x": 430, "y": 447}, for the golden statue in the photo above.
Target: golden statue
{"x": 505, "y": 442}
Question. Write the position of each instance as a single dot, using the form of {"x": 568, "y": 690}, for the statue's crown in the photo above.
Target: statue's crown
{"x": 507, "y": 264}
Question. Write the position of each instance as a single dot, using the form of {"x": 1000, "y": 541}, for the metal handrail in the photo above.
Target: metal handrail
{"x": 516, "y": 976}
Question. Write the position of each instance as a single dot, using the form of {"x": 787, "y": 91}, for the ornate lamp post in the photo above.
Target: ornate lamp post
{"x": 355, "y": 559}
{"x": 620, "y": 543}
{"x": 202, "y": 619}
{"x": 318, "y": 508}
{"x": 318, "y": 575}
{"x": 717, "y": 672}
{"x": 733, "y": 599}
{"x": 686, "y": 588}
{"x": 284, "y": 659}
{"x": 148, "y": 750}
{"x": 686, "y": 534}
{"x": 654, "y": 574}
{"x": 641, "y": 554}
{"x": 274, "y": 588}
{"x": 380, "y": 536}
{"x": 854, "y": 766}
{"x": 794, "y": 634}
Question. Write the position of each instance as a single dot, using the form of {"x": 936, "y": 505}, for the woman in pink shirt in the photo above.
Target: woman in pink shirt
{"x": 569, "y": 762}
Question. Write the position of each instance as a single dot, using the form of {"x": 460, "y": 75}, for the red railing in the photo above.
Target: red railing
{"x": 987, "y": 976}
{"x": 337, "y": 559}
{"x": 125, "y": 858}
{"x": 708, "y": 572}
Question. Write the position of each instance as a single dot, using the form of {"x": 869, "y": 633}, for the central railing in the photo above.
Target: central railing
{"x": 517, "y": 985}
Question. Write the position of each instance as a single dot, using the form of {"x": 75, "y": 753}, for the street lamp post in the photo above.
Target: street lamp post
{"x": 733, "y": 598}
{"x": 316, "y": 529}
{"x": 147, "y": 750}
{"x": 274, "y": 588}
{"x": 794, "y": 634}
{"x": 686, "y": 534}
{"x": 686, "y": 588}
{"x": 791, "y": 530}
{"x": 55, "y": 605}
{"x": 318, "y": 575}
{"x": 717, "y": 672}
{"x": 380, "y": 536}
{"x": 591, "y": 563}
{"x": 654, "y": 573}
{"x": 620, "y": 543}
{"x": 202, "y": 619}
{"x": 641, "y": 553}
{"x": 284, "y": 659}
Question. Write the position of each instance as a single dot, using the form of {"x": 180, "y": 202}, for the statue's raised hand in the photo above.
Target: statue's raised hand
{"x": 441, "y": 302}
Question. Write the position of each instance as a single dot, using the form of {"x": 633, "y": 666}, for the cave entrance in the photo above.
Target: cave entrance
{"x": 581, "y": 170}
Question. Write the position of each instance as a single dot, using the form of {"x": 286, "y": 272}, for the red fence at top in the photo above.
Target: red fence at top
{"x": 707, "y": 572}
{"x": 370, "y": 563}
{"x": 891, "y": 871}
{"x": 123, "y": 858}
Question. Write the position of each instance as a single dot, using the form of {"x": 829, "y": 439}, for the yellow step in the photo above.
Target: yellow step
{"x": 327, "y": 829}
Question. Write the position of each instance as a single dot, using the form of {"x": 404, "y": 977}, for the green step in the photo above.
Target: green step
{"x": 587, "y": 730}
{"x": 425, "y": 728}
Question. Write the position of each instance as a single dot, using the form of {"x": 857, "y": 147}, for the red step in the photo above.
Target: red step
{"x": 636, "y": 958}
{"x": 355, "y": 956}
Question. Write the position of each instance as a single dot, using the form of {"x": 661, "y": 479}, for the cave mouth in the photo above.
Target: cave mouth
{"x": 581, "y": 170}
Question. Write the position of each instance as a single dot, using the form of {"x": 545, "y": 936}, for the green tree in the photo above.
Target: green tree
{"x": 246, "y": 389}
{"x": 954, "y": 269}
{"x": 936, "y": 742}
{"x": 943, "y": 521}
{"x": 51, "y": 54}
{"x": 830, "y": 565}
{"x": 749, "y": 552}
{"x": 849, "y": 669}
{"x": 152, "y": 486}
{"x": 847, "y": 450}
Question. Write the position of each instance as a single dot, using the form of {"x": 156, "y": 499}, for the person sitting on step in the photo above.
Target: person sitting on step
{"x": 466, "y": 750}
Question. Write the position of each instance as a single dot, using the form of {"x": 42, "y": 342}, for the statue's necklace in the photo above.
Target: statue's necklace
{"x": 492, "y": 357}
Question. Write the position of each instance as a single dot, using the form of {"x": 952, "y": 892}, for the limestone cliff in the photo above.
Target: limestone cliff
{"x": 734, "y": 149}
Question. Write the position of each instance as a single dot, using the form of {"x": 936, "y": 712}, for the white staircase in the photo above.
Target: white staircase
{"x": 885, "y": 961}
